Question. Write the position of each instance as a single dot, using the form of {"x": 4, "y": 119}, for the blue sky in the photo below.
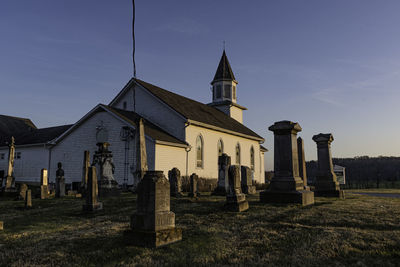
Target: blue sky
{"x": 332, "y": 66}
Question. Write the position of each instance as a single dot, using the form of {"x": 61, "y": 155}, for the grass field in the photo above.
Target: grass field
{"x": 360, "y": 231}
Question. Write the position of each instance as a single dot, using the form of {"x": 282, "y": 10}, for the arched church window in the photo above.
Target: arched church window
{"x": 252, "y": 158}
{"x": 238, "y": 154}
{"x": 218, "y": 89}
{"x": 199, "y": 152}
{"x": 220, "y": 147}
{"x": 227, "y": 91}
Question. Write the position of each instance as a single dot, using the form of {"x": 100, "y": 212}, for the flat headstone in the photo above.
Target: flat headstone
{"x": 174, "y": 177}
{"x": 193, "y": 185}
{"x": 247, "y": 181}
{"x": 153, "y": 224}
{"x": 224, "y": 161}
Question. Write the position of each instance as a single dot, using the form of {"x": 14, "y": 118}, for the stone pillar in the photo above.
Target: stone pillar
{"x": 44, "y": 184}
{"x": 286, "y": 185}
{"x": 193, "y": 185}
{"x": 141, "y": 155}
{"x": 60, "y": 181}
{"x": 326, "y": 184}
{"x": 10, "y": 180}
{"x": 174, "y": 177}
{"x": 224, "y": 161}
{"x": 85, "y": 169}
{"x": 302, "y": 162}
{"x": 92, "y": 201}
{"x": 22, "y": 191}
{"x": 235, "y": 199}
{"x": 153, "y": 224}
{"x": 247, "y": 181}
{"x": 28, "y": 199}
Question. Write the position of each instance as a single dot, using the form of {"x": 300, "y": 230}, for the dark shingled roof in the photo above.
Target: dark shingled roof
{"x": 197, "y": 111}
{"x": 150, "y": 129}
{"x": 14, "y": 126}
{"x": 224, "y": 71}
{"x": 41, "y": 136}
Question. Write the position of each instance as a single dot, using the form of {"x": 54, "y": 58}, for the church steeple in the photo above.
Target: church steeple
{"x": 224, "y": 90}
{"x": 224, "y": 82}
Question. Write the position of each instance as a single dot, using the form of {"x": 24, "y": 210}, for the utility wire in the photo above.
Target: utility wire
{"x": 133, "y": 39}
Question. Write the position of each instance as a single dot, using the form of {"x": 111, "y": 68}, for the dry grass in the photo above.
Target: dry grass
{"x": 360, "y": 230}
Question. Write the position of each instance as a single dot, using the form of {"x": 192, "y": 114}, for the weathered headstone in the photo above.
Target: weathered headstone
{"x": 286, "y": 186}
{"x": 104, "y": 159}
{"x": 174, "y": 177}
{"x": 1, "y": 225}
{"x": 224, "y": 161}
{"x": 326, "y": 184}
{"x": 193, "y": 185}
{"x": 247, "y": 181}
{"x": 141, "y": 155}
{"x": 44, "y": 185}
{"x": 153, "y": 224}
{"x": 28, "y": 199}
{"x": 85, "y": 169}
{"x": 235, "y": 199}
{"x": 22, "y": 191}
{"x": 60, "y": 181}
{"x": 302, "y": 162}
{"x": 92, "y": 202}
{"x": 10, "y": 180}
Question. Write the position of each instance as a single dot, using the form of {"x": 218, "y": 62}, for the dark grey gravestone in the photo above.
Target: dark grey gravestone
{"x": 174, "y": 177}
{"x": 326, "y": 184}
{"x": 28, "y": 199}
{"x": 235, "y": 199}
{"x": 224, "y": 161}
{"x": 193, "y": 185}
{"x": 92, "y": 200}
{"x": 247, "y": 181}
{"x": 153, "y": 224}
{"x": 60, "y": 181}
{"x": 286, "y": 186}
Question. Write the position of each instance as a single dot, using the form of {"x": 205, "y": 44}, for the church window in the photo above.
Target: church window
{"x": 238, "y": 154}
{"x": 17, "y": 155}
{"x": 199, "y": 152}
{"x": 124, "y": 104}
{"x": 252, "y": 158}
{"x": 220, "y": 147}
{"x": 2, "y": 156}
{"x": 218, "y": 91}
{"x": 227, "y": 91}
{"x": 234, "y": 92}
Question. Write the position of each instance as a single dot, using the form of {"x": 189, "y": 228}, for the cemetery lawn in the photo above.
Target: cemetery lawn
{"x": 361, "y": 230}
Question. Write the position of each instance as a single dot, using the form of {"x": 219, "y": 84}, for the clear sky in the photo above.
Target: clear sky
{"x": 332, "y": 66}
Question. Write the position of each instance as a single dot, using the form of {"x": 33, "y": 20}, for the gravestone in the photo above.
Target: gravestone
{"x": 153, "y": 224}
{"x": 224, "y": 161}
{"x": 104, "y": 159}
{"x": 235, "y": 199}
{"x": 44, "y": 184}
{"x": 60, "y": 181}
{"x": 247, "y": 181}
{"x": 1, "y": 178}
{"x": 326, "y": 184}
{"x": 28, "y": 199}
{"x": 92, "y": 200}
{"x": 302, "y": 162}
{"x": 22, "y": 191}
{"x": 174, "y": 177}
{"x": 193, "y": 185}
{"x": 10, "y": 179}
{"x": 141, "y": 165}
{"x": 286, "y": 186}
{"x": 1, "y": 225}
{"x": 85, "y": 170}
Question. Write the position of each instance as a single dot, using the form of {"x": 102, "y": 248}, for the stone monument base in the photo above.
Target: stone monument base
{"x": 303, "y": 197}
{"x": 93, "y": 208}
{"x": 153, "y": 239}
{"x": 331, "y": 193}
{"x": 237, "y": 203}
{"x": 109, "y": 192}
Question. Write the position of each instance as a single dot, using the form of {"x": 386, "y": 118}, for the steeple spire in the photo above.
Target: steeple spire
{"x": 224, "y": 71}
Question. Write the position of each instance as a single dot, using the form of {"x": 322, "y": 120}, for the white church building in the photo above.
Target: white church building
{"x": 180, "y": 132}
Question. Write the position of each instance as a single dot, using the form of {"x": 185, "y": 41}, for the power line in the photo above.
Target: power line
{"x": 133, "y": 38}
